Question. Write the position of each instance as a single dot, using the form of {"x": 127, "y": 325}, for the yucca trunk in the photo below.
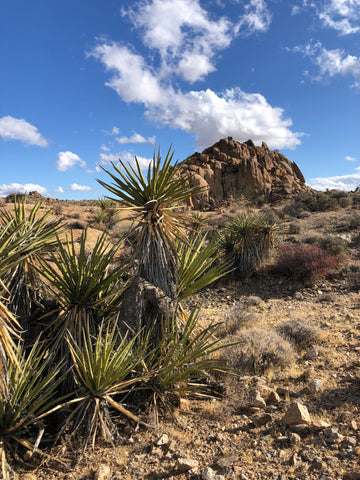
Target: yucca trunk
{"x": 152, "y": 295}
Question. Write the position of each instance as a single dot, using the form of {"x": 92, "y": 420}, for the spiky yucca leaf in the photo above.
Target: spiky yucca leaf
{"x": 38, "y": 235}
{"x": 104, "y": 367}
{"x": 198, "y": 265}
{"x": 84, "y": 287}
{"x": 181, "y": 359}
{"x": 32, "y": 396}
{"x": 152, "y": 199}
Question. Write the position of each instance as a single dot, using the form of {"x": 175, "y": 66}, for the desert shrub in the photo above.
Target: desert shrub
{"x": 235, "y": 319}
{"x": 299, "y": 332}
{"x": 57, "y": 209}
{"x": 355, "y": 241}
{"x": 294, "y": 228}
{"x": 349, "y": 224}
{"x": 354, "y": 277}
{"x": 333, "y": 244}
{"x": 304, "y": 262}
{"x": 77, "y": 225}
{"x": 311, "y": 202}
{"x": 253, "y": 300}
{"x": 247, "y": 240}
{"x": 257, "y": 350}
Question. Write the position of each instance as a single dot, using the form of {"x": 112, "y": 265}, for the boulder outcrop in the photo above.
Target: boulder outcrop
{"x": 230, "y": 170}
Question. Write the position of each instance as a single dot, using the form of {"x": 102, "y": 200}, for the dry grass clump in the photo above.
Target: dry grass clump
{"x": 258, "y": 350}
{"x": 236, "y": 319}
{"x": 299, "y": 332}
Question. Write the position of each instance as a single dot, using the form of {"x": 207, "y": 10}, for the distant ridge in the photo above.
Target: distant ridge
{"x": 231, "y": 170}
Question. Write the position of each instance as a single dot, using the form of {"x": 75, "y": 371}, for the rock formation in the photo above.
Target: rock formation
{"x": 231, "y": 170}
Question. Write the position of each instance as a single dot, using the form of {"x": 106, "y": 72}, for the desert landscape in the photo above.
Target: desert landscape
{"x": 287, "y": 404}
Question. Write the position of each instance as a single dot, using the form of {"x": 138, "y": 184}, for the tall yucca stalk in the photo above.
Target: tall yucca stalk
{"x": 247, "y": 241}
{"x": 38, "y": 234}
{"x": 152, "y": 199}
{"x": 31, "y": 396}
{"x": 85, "y": 287}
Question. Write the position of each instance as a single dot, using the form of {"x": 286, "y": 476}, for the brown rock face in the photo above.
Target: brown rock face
{"x": 231, "y": 170}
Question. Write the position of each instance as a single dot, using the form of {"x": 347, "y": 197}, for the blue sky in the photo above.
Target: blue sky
{"x": 84, "y": 82}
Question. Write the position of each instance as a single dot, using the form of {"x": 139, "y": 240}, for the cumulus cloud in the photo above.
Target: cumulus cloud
{"x": 19, "y": 129}
{"x": 67, "y": 160}
{"x": 234, "y": 113}
{"x": 125, "y": 157}
{"x": 75, "y": 187}
{"x": 21, "y": 188}
{"x": 206, "y": 114}
{"x": 330, "y": 62}
{"x": 350, "y": 159}
{"x": 131, "y": 79}
{"x": 136, "y": 138}
{"x": 59, "y": 190}
{"x": 183, "y": 33}
{"x": 187, "y": 37}
{"x": 341, "y": 182}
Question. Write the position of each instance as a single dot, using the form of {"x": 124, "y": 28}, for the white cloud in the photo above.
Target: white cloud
{"x": 341, "y": 15}
{"x": 74, "y": 187}
{"x": 67, "y": 160}
{"x": 125, "y": 157}
{"x": 341, "y": 182}
{"x": 114, "y": 131}
{"x": 132, "y": 80}
{"x": 187, "y": 37}
{"x": 330, "y": 62}
{"x": 18, "y": 129}
{"x": 234, "y": 113}
{"x": 105, "y": 148}
{"x": 182, "y": 31}
{"x": 350, "y": 159}
{"x": 136, "y": 138}
{"x": 256, "y": 18}
{"x": 59, "y": 190}
{"x": 21, "y": 188}
{"x": 206, "y": 114}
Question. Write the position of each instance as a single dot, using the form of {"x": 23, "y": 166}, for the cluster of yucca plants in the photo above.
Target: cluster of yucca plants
{"x": 85, "y": 365}
{"x": 247, "y": 240}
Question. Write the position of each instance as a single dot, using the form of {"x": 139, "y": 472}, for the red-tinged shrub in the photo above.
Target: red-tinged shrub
{"x": 304, "y": 262}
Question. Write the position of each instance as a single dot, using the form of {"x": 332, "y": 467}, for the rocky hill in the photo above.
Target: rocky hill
{"x": 230, "y": 170}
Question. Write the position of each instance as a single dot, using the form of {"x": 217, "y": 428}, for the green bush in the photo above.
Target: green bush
{"x": 247, "y": 240}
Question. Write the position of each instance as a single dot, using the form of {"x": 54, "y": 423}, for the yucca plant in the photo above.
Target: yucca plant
{"x": 32, "y": 395}
{"x": 152, "y": 200}
{"x": 14, "y": 249}
{"x": 104, "y": 371}
{"x": 182, "y": 360}
{"x": 198, "y": 265}
{"x": 247, "y": 240}
{"x": 22, "y": 280}
{"x": 84, "y": 286}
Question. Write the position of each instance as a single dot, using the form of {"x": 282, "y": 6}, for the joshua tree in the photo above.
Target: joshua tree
{"x": 152, "y": 295}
